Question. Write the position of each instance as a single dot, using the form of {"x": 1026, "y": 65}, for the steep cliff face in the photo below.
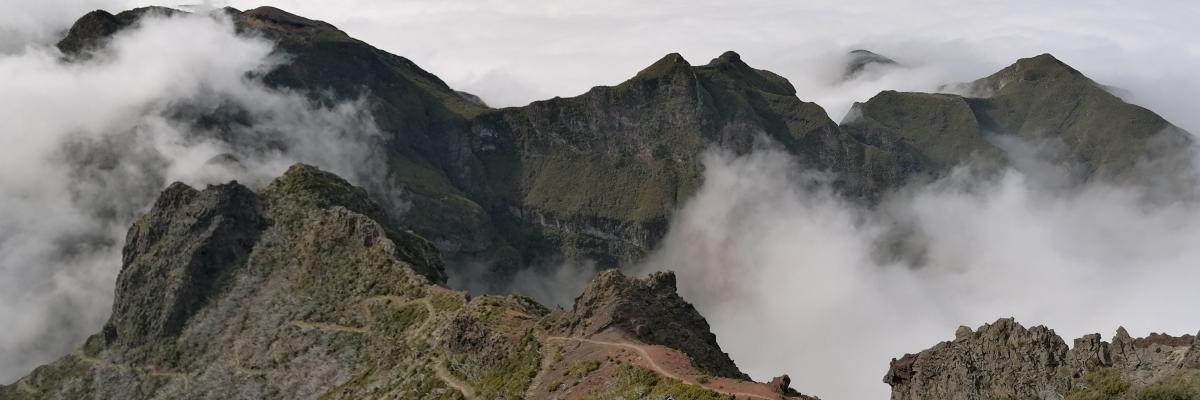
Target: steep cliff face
{"x": 1004, "y": 360}
{"x": 599, "y": 174}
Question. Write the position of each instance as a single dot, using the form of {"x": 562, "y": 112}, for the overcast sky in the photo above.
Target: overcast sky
{"x": 511, "y": 52}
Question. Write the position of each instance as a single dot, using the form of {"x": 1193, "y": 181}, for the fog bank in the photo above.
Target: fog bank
{"x": 88, "y": 146}
{"x": 794, "y": 279}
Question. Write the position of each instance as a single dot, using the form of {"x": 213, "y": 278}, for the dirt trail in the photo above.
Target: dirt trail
{"x": 541, "y": 374}
{"x": 321, "y": 326}
{"x": 641, "y": 350}
{"x": 439, "y": 369}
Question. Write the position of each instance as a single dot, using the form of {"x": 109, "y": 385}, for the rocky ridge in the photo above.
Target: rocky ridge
{"x": 1005, "y": 360}
{"x": 306, "y": 289}
{"x": 593, "y": 179}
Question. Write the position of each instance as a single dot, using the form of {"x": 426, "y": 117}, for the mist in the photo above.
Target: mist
{"x": 88, "y": 145}
{"x": 795, "y": 279}
{"x": 517, "y": 51}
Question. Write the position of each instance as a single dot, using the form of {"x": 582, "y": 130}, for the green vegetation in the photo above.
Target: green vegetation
{"x": 511, "y": 377}
{"x": 633, "y": 190}
{"x": 581, "y": 370}
{"x": 1184, "y": 385}
{"x": 1100, "y": 384}
{"x": 639, "y": 383}
{"x": 396, "y": 322}
{"x": 1107, "y": 384}
{"x": 445, "y": 301}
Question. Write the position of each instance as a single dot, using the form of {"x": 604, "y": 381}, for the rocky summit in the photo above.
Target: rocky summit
{"x": 306, "y": 289}
{"x": 1005, "y": 360}
{"x": 312, "y": 288}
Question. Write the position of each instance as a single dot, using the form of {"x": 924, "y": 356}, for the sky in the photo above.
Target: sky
{"x": 1098, "y": 255}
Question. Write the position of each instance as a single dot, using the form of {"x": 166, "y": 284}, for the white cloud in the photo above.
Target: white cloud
{"x": 87, "y": 146}
{"x": 562, "y": 49}
{"x": 794, "y": 279}
{"x": 797, "y": 263}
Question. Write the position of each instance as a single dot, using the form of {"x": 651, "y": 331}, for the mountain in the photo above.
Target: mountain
{"x": 590, "y": 178}
{"x": 858, "y": 61}
{"x": 303, "y": 289}
{"x": 1005, "y": 360}
{"x": 1039, "y": 100}
{"x": 598, "y": 175}
{"x": 594, "y": 178}
{"x": 310, "y": 287}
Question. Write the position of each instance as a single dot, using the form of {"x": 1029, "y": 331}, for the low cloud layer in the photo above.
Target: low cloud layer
{"x": 88, "y": 146}
{"x": 795, "y": 279}
{"x": 791, "y": 277}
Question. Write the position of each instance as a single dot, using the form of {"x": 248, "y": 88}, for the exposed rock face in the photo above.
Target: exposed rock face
{"x": 1004, "y": 360}
{"x": 306, "y": 289}
{"x": 651, "y": 311}
{"x": 284, "y": 293}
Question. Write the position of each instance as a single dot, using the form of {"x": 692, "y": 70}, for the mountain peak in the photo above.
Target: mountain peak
{"x": 649, "y": 310}
{"x": 858, "y": 60}
{"x": 90, "y": 31}
{"x": 1025, "y": 73}
{"x": 283, "y": 20}
{"x": 728, "y": 57}
{"x": 665, "y": 66}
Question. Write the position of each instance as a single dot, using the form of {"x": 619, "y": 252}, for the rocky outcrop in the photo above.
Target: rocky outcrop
{"x": 307, "y": 289}
{"x": 298, "y": 291}
{"x": 92, "y": 31}
{"x": 649, "y": 310}
{"x": 1005, "y": 360}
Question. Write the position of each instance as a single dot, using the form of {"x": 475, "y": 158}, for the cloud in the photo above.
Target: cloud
{"x": 88, "y": 146}
{"x": 551, "y": 49}
{"x": 833, "y": 289}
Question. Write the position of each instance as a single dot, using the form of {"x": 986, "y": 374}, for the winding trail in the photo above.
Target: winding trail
{"x": 439, "y": 369}
{"x": 641, "y": 351}
{"x": 439, "y": 362}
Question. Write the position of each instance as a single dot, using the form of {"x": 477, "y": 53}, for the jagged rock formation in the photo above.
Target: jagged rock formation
{"x": 1004, "y": 360}
{"x": 307, "y": 289}
{"x": 652, "y": 312}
